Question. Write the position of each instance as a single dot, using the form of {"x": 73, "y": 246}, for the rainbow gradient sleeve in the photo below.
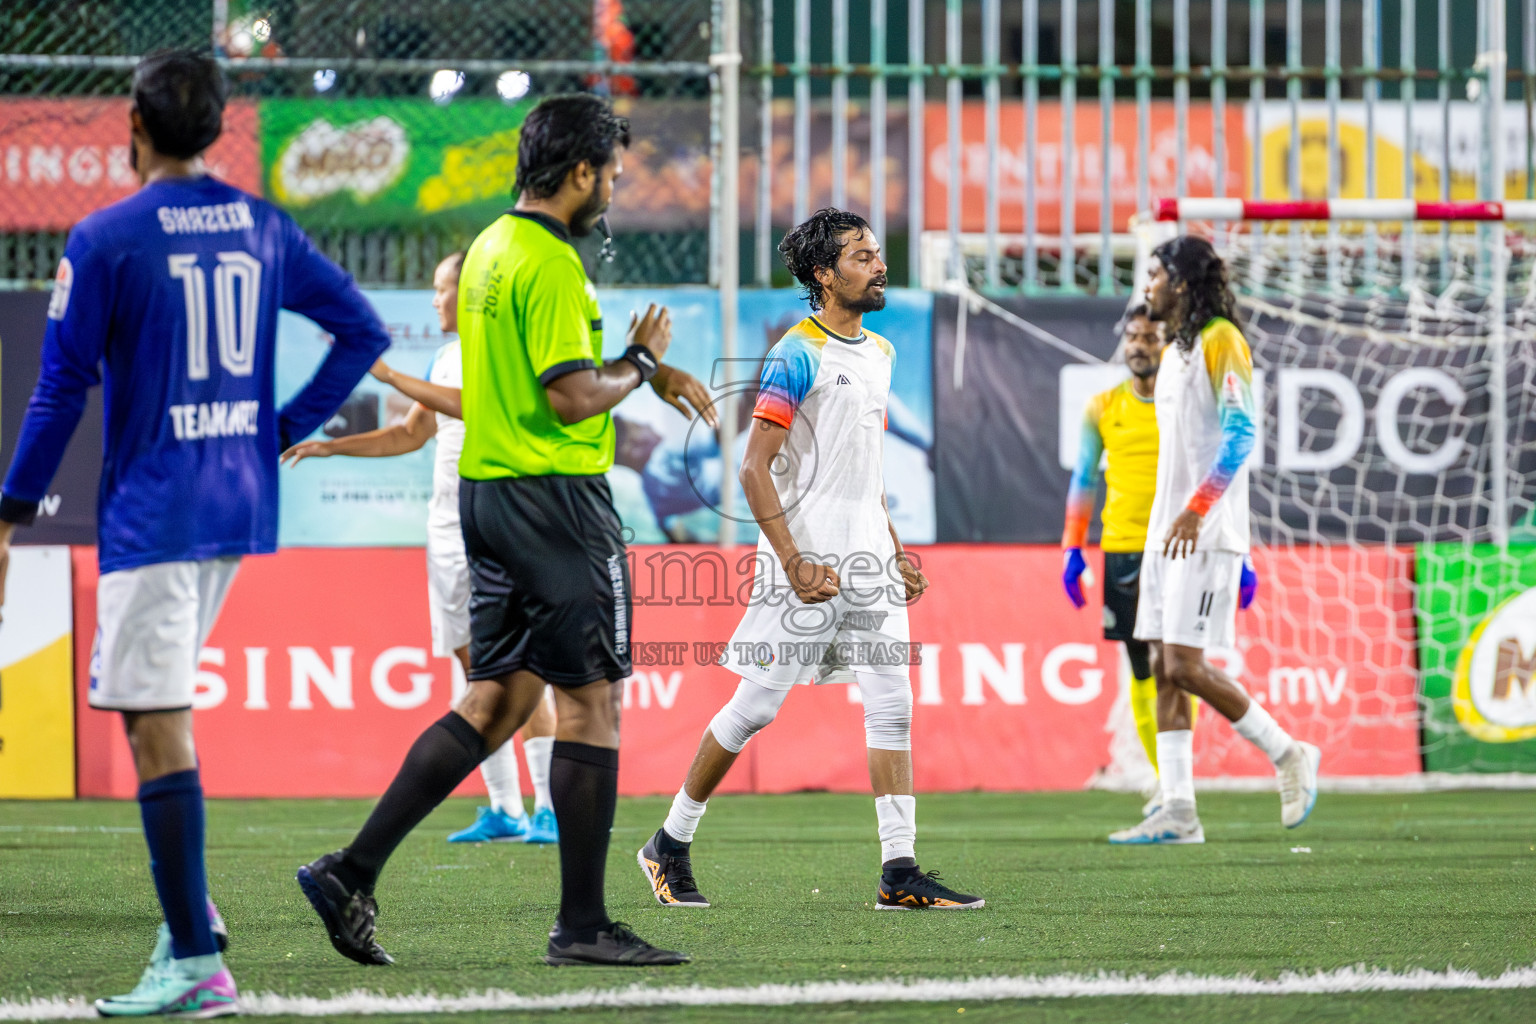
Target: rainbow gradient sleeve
{"x": 1084, "y": 486}
{"x": 788, "y": 373}
{"x": 1230, "y": 365}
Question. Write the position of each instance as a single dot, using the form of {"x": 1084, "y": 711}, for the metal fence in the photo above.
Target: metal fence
{"x": 1055, "y": 121}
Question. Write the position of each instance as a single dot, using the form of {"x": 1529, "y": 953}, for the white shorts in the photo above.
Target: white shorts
{"x": 1189, "y": 601}
{"x": 151, "y": 623}
{"x": 447, "y": 591}
{"x": 783, "y": 642}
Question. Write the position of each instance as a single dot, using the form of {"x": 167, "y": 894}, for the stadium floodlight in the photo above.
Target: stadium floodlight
{"x": 445, "y": 85}
{"x": 325, "y": 78}
{"x": 513, "y": 85}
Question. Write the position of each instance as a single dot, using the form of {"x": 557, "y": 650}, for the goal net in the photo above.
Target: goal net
{"x": 1393, "y": 493}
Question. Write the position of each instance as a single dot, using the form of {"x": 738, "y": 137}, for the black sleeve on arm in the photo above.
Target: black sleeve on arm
{"x": 561, "y": 369}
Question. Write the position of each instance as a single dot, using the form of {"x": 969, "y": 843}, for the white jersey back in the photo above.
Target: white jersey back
{"x": 831, "y": 393}
{"x": 443, "y": 510}
{"x": 1205, "y": 424}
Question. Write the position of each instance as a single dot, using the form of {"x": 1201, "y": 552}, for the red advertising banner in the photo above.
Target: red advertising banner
{"x": 61, "y": 158}
{"x": 1165, "y": 146}
{"x": 318, "y": 676}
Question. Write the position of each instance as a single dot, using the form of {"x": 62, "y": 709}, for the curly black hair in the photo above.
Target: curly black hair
{"x": 560, "y": 133}
{"x": 817, "y": 244}
{"x": 1192, "y": 261}
{"x": 180, "y": 96}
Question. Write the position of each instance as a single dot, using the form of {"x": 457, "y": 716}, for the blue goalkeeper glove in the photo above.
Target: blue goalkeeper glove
{"x": 1073, "y": 565}
{"x": 1248, "y": 584}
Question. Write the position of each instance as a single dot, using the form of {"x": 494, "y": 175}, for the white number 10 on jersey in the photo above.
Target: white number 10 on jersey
{"x": 234, "y": 311}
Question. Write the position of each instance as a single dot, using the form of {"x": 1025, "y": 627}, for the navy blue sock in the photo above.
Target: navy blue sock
{"x": 172, "y": 809}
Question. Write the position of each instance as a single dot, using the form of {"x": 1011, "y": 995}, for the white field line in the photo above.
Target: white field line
{"x": 1059, "y": 986}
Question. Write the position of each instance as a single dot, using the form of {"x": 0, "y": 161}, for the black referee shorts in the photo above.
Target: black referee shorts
{"x": 1122, "y": 589}
{"x": 549, "y": 582}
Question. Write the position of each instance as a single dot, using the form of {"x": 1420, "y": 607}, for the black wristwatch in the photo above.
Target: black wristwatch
{"x": 644, "y": 360}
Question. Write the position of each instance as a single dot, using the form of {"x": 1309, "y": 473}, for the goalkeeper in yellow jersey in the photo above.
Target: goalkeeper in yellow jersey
{"x": 1122, "y": 423}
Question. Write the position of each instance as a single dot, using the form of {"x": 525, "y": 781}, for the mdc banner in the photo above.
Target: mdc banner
{"x": 61, "y": 158}
{"x": 319, "y": 676}
{"x": 1477, "y": 629}
{"x": 1367, "y": 432}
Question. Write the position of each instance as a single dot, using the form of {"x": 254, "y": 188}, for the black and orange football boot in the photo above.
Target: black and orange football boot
{"x": 912, "y": 889}
{"x": 669, "y": 870}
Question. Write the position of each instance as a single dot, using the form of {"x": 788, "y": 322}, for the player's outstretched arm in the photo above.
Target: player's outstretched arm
{"x": 436, "y": 397}
{"x": 813, "y": 582}
{"x": 409, "y": 435}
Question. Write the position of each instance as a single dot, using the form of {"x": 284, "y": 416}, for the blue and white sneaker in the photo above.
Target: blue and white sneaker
{"x": 196, "y": 987}
{"x": 1173, "y": 824}
{"x": 542, "y": 829}
{"x": 492, "y": 826}
{"x": 1297, "y": 770}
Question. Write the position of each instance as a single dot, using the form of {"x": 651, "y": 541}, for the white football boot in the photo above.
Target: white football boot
{"x": 1297, "y": 771}
{"x": 1173, "y": 824}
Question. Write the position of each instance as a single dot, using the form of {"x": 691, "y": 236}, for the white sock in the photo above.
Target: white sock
{"x": 897, "y": 818}
{"x": 538, "y": 751}
{"x": 1176, "y": 764}
{"x": 1260, "y": 728}
{"x": 683, "y": 819}
{"x": 501, "y": 780}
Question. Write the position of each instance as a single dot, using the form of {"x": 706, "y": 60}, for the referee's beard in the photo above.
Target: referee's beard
{"x": 588, "y": 213}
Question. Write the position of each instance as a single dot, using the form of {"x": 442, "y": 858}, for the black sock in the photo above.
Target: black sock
{"x": 900, "y": 869}
{"x": 440, "y": 759}
{"x": 584, "y": 787}
{"x": 666, "y": 844}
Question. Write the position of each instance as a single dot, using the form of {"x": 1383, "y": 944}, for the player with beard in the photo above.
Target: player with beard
{"x": 550, "y": 600}
{"x": 1197, "y": 537}
{"x": 1120, "y": 428}
{"x": 829, "y": 604}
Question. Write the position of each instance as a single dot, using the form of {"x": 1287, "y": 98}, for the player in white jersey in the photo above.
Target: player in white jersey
{"x": 448, "y": 575}
{"x": 1197, "y": 537}
{"x": 829, "y": 603}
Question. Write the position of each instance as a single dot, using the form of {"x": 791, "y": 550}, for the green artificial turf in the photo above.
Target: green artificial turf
{"x": 1398, "y": 882}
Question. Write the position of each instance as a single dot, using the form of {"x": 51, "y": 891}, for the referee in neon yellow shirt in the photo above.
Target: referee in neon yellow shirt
{"x": 550, "y": 597}
{"x": 1121, "y": 423}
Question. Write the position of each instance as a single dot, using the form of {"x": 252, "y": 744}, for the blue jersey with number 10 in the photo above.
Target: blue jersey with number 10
{"x": 170, "y": 300}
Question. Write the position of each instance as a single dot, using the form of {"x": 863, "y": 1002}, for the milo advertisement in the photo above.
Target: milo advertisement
{"x": 359, "y": 163}
{"x": 1477, "y": 652}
